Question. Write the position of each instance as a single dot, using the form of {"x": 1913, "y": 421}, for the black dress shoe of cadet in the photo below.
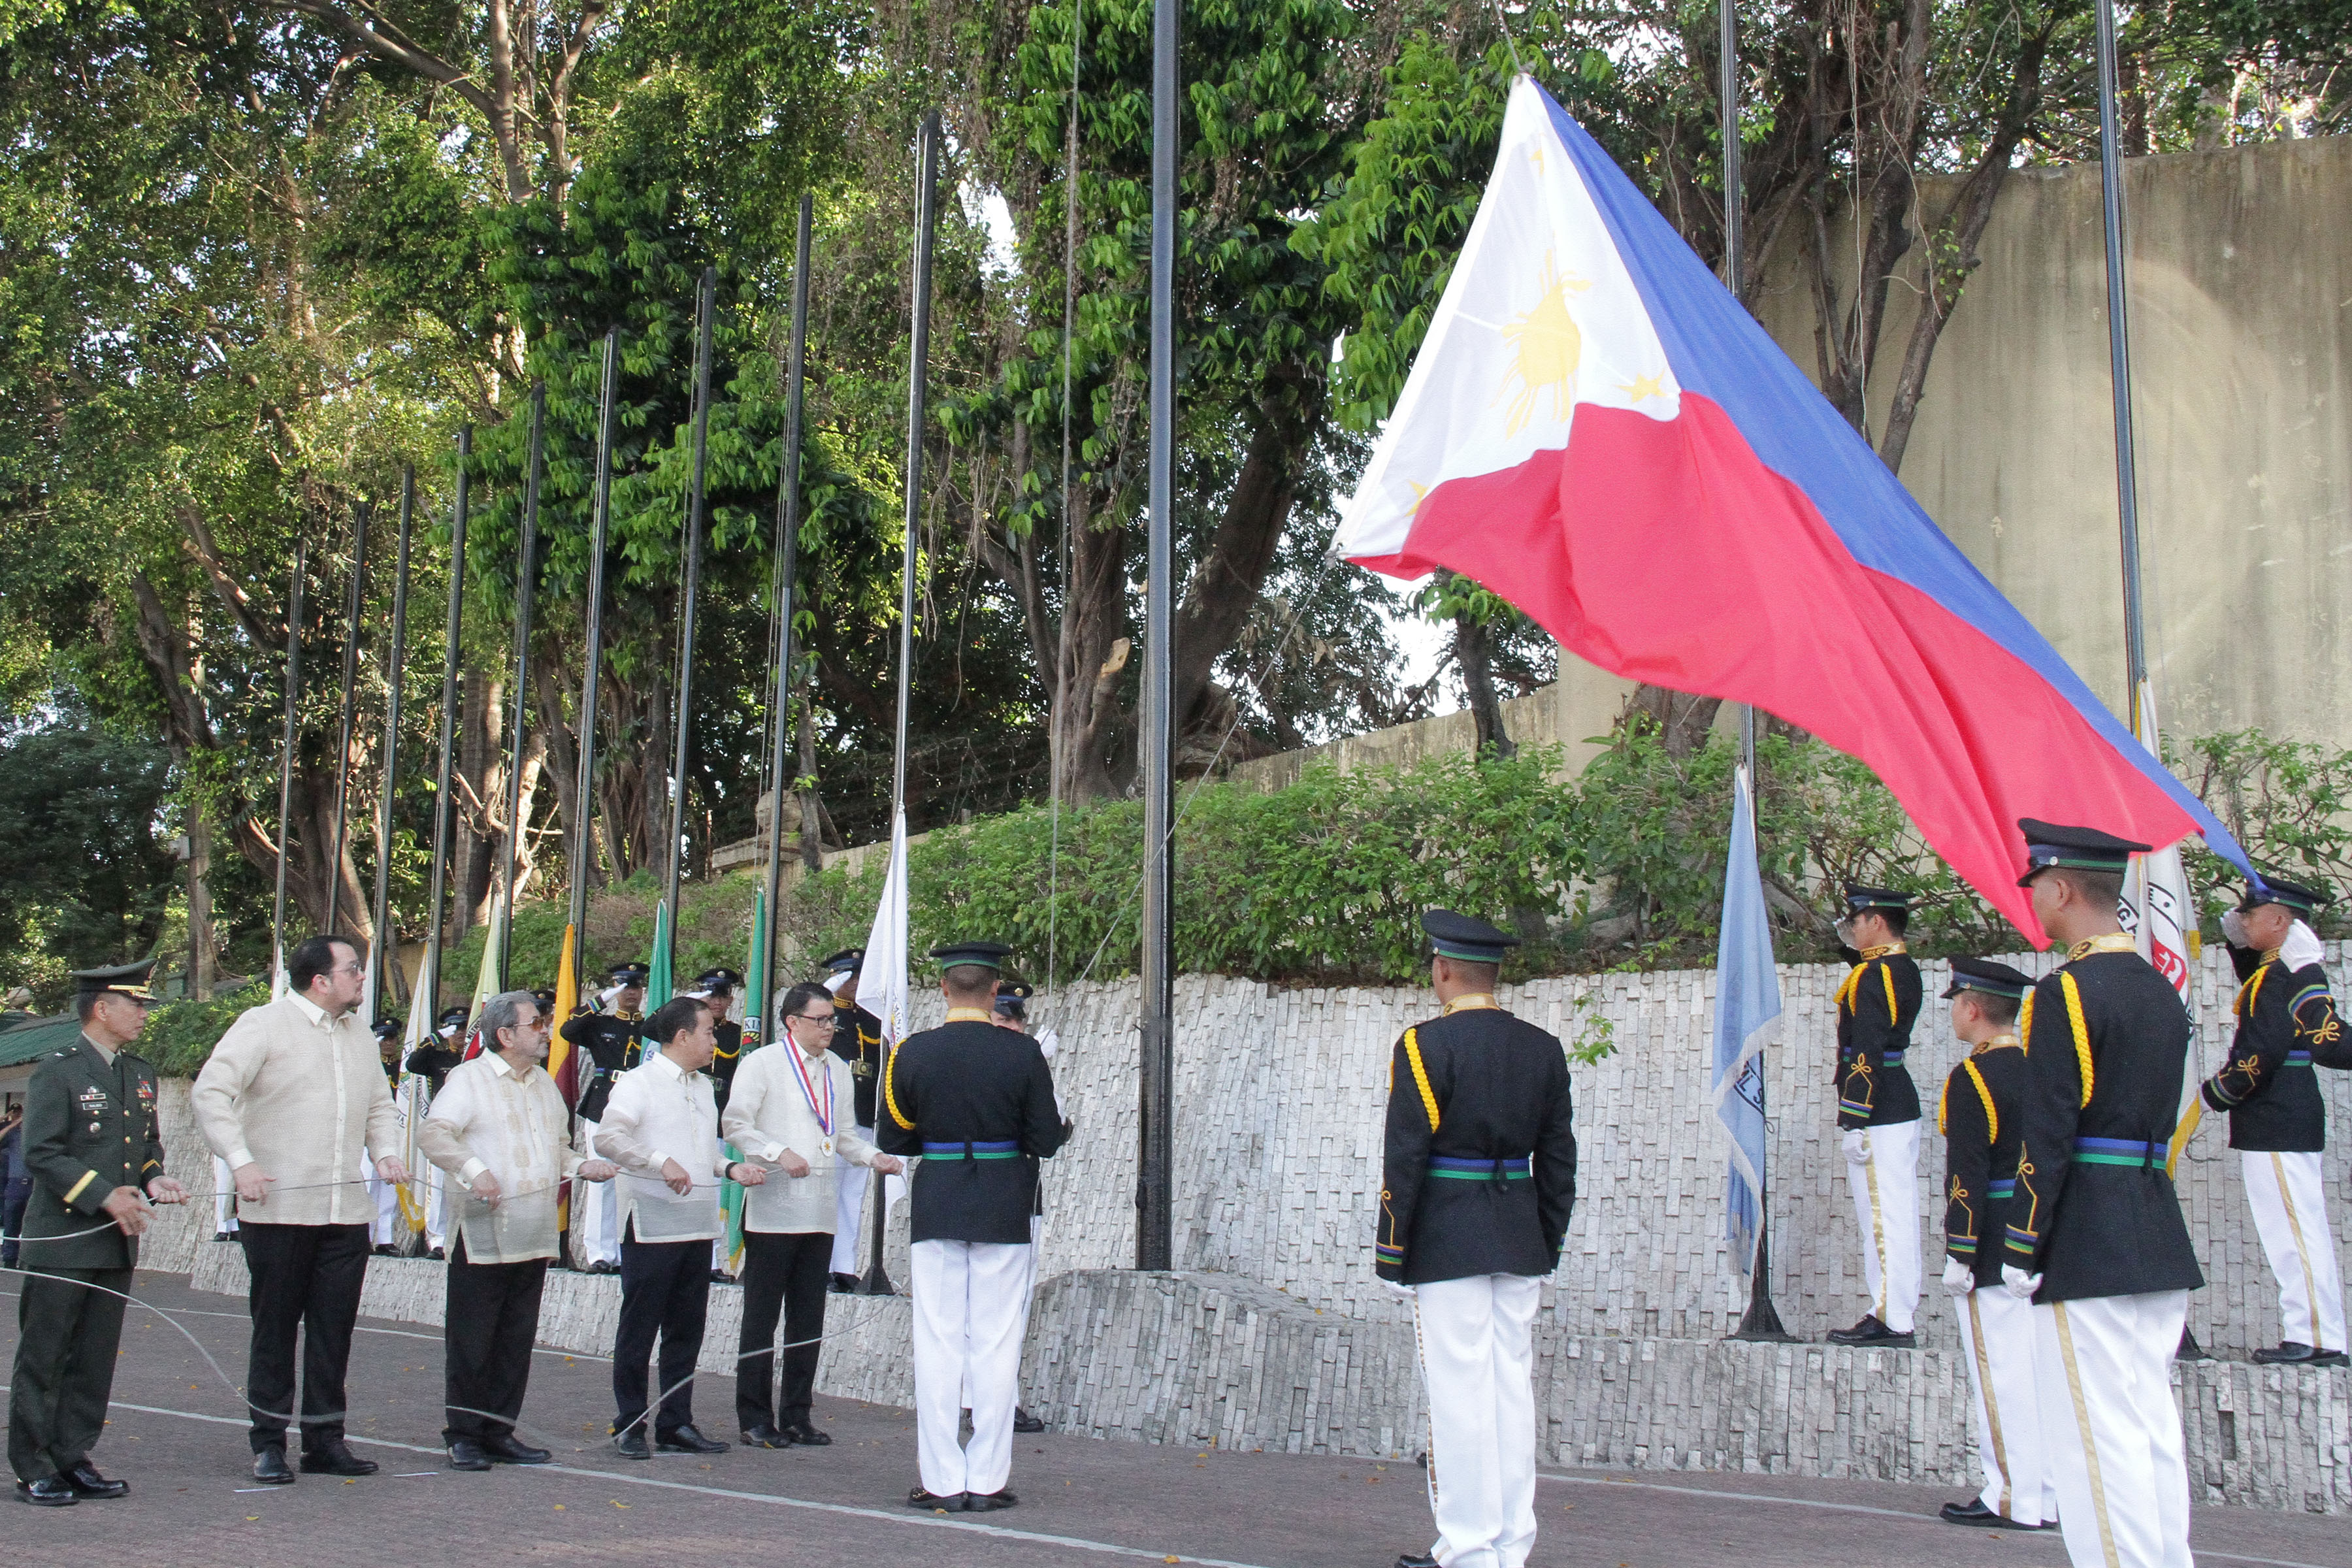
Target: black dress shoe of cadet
{"x": 336, "y": 1460}
{"x": 1417, "y": 1560}
{"x": 763, "y": 1435}
{"x": 1024, "y": 1422}
{"x": 504, "y": 1449}
{"x": 806, "y": 1436}
{"x": 845, "y": 1284}
{"x": 989, "y": 1502}
{"x": 953, "y": 1503}
{"x": 1871, "y": 1331}
{"x": 466, "y": 1454}
{"x": 49, "y": 1492}
{"x": 687, "y": 1440}
{"x": 269, "y": 1468}
{"x": 633, "y": 1443}
{"x": 86, "y": 1482}
{"x": 2330, "y": 1358}
{"x": 2290, "y": 1353}
{"x": 1972, "y": 1511}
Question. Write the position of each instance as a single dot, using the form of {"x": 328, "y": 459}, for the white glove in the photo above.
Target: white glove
{"x": 1402, "y": 1292}
{"x": 1959, "y": 1277}
{"x": 2233, "y": 927}
{"x": 2017, "y": 1282}
{"x": 1048, "y": 1043}
{"x": 2300, "y": 947}
{"x": 1856, "y": 1145}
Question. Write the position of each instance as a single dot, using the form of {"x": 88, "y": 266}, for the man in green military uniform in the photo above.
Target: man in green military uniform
{"x": 96, "y": 1157}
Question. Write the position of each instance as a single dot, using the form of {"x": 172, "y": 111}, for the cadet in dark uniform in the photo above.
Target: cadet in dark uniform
{"x": 433, "y": 1061}
{"x": 608, "y": 1035}
{"x": 858, "y": 1040}
{"x": 717, "y": 986}
{"x": 1978, "y": 1117}
{"x": 977, "y": 1103}
{"x": 1476, "y": 1185}
{"x": 2278, "y": 1121}
{"x": 2094, "y": 1235}
{"x": 1878, "y": 1110}
{"x": 96, "y": 1155}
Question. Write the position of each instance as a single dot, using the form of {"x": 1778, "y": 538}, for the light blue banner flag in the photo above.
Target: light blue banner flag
{"x": 1747, "y": 1001}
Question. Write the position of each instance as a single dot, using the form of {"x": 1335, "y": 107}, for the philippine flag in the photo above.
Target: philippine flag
{"x": 1597, "y": 431}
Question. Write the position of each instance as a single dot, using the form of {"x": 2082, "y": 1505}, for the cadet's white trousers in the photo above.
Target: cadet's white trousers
{"x": 1886, "y": 1188}
{"x": 224, "y": 1197}
{"x": 848, "y": 1208}
{"x": 600, "y": 1221}
{"x": 967, "y": 1296}
{"x": 1477, "y": 1365}
{"x": 1997, "y": 1338}
{"x": 2111, "y": 1430}
{"x": 2290, "y": 1202}
{"x": 437, "y": 1203}
{"x": 387, "y": 1203}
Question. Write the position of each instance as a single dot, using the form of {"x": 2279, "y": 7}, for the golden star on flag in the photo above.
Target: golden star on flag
{"x": 1420, "y": 494}
{"x": 1642, "y": 386}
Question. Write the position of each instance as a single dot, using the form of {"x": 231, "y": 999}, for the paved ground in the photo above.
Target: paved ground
{"x": 177, "y": 1437}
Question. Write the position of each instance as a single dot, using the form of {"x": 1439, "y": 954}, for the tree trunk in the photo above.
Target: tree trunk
{"x": 812, "y": 844}
{"x": 202, "y": 947}
{"x": 1473, "y": 650}
{"x": 1683, "y": 720}
{"x": 480, "y": 781}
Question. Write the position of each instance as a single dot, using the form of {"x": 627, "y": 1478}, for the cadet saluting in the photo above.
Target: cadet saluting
{"x": 95, "y": 1155}
{"x": 2278, "y": 1122}
{"x": 2094, "y": 1233}
{"x": 1476, "y": 1185}
{"x": 610, "y": 1040}
{"x": 1878, "y": 1110}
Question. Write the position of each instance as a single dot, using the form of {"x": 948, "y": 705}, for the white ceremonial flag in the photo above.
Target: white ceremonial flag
{"x": 2157, "y": 910}
{"x": 882, "y": 977}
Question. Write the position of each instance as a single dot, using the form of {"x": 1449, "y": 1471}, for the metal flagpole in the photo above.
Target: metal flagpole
{"x": 877, "y": 1282}
{"x": 2111, "y": 204}
{"x": 602, "y": 506}
{"x": 702, "y": 309}
{"x": 1155, "y": 1221}
{"x": 386, "y": 946}
{"x": 526, "y": 587}
{"x": 286, "y": 765}
{"x": 788, "y": 529}
{"x": 428, "y": 995}
{"x": 351, "y": 683}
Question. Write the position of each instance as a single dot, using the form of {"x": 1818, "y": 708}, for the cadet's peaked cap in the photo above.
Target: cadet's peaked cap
{"x": 123, "y": 980}
{"x": 546, "y": 995}
{"x": 720, "y": 980}
{"x": 453, "y": 1018}
{"x": 1992, "y": 979}
{"x": 387, "y": 1028}
{"x": 2300, "y": 897}
{"x": 845, "y": 961}
{"x": 2049, "y": 844}
{"x": 985, "y": 954}
{"x": 1459, "y": 936}
{"x": 629, "y": 974}
{"x": 1012, "y": 997}
{"x": 1859, "y": 897}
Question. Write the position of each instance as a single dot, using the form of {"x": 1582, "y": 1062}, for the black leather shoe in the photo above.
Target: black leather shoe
{"x": 335, "y": 1459}
{"x": 687, "y": 1440}
{"x": 806, "y": 1436}
{"x": 989, "y": 1502}
{"x": 766, "y": 1437}
{"x": 2292, "y": 1353}
{"x": 845, "y": 1284}
{"x": 1025, "y": 1423}
{"x": 269, "y": 1468}
{"x": 2330, "y": 1358}
{"x": 1417, "y": 1560}
{"x": 49, "y": 1492}
{"x": 86, "y": 1482}
{"x": 633, "y": 1443}
{"x": 503, "y": 1449}
{"x": 438, "y": 1255}
{"x": 603, "y": 1269}
{"x": 1871, "y": 1331}
{"x": 1972, "y": 1511}
{"x": 387, "y": 1250}
{"x": 932, "y": 1502}
{"x": 465, "y": 1454}
{"x": 223, "y": 1236}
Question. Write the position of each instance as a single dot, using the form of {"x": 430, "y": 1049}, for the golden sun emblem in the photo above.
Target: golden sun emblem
{"x": 1546, "y": 348}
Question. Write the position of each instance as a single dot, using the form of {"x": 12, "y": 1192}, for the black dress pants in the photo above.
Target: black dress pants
{"x": 788, "y": 1270}
{"x": 306, "y": 1280}
{"x": 66, "y": 1334}
{"x": 665, "y": 1291}
{"x": 492, "y": 1318}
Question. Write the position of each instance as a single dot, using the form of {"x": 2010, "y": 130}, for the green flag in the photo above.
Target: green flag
{"x": 658, "y": 979}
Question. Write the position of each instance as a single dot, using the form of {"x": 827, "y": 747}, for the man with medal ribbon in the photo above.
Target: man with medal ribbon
{"x": 787, "y": 1112}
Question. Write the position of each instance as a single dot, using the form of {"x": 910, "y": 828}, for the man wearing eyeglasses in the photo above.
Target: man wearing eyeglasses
{"x": 293, "y": 1094}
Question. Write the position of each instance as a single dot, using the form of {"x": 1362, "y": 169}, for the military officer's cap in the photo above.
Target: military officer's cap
{"x": 2049, "y": 844}
{"x": 720, "y": 980}
{"x": 387, "y": 1028}
{"x": 122, "y": 980}
{"x": 1859, "y": 897}
{"x": 983, "y": 954}
{"x": 454, "y": 1017}
{"x": 1992, "y": 979}
{"x": 627, "y": 974}
{"x": 546, "y": 995}
{"x": 1460, "y": 937}
{"x": 1012, "y": 997}
{"x": 2300, "y": 897}
{"x": 844, "y": 962}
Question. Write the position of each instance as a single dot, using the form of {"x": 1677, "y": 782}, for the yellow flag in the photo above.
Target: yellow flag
{"x": 559, "y": 1056}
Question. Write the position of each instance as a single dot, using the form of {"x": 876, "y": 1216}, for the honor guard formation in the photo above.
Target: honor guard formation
{"x": 2065, "y": 1254}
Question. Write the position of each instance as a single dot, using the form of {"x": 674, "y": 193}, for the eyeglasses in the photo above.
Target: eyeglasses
{"x": 810, "y": 1018}
{"x": 360, "y": 969}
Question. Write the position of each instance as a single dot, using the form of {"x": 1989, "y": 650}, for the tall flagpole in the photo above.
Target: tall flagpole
{"x": 526, "y": 587}
{"x": 602, "y": 509}
{"x": 286, "y": 766}
{"x": 788, "y": 529}
{"x": 351, "y": 683}
{"x": 428, "y": 995}
{"x": 704, "y": 303}
{"x": 386, "y": 946}
{"x": 1156, "y": 1155}
{"x": 2111, "y": 206}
